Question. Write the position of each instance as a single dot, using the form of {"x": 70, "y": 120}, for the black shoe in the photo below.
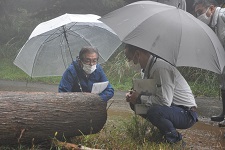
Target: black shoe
{"x": 222, "y": 123}
{"x": 218, "y": 118}
{"x": 173, "y": 137}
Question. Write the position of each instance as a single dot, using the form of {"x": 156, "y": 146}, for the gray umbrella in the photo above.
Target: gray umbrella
{"x": 54, "y": 44}
{"x": 168, "y": 32}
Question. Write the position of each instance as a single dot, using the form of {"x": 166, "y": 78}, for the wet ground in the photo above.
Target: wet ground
{"x": 204, "y": 135}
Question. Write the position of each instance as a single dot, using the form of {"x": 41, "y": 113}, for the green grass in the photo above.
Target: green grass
{"x": 115, "y": 73}
{"x": 205, "y": 89}
{"x": 202, "y": 82}
{"x": 11, "y": 72}
{"x": 132, "y": 133}
{"x": 119, "y": 133}
{"x": 8, "y": 71}
{"x": 120, "y": 75}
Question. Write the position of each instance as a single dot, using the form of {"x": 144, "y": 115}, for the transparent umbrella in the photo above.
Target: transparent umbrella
{"x": 54, "y": 44}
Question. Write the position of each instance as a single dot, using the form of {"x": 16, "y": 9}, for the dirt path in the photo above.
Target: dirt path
{"x": 204, "y": 135}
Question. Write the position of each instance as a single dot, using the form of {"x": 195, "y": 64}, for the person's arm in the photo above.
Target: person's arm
{"x": 223, "y": 31}
{"x": 133, "y": 97}
{"x": 109, "y": 91}
{"x": 68, "y": 79}
{"x": 222, "y": 15}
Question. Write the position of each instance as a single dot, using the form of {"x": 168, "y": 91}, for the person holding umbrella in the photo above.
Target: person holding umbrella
{"x": 83, "y": 73}
{"x": 210, "y": 13}
{"x": 173, "y": 105}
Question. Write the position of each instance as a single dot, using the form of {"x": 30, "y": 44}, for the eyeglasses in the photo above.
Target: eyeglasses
{"x": 88, "y": 61}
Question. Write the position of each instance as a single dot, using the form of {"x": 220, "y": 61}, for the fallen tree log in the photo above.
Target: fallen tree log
{"x": 27, "y": 116}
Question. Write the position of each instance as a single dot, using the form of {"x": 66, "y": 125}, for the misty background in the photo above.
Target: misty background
{"x": 18, "y": 18}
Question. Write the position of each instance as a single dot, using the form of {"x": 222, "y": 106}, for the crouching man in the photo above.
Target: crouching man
{"x": 173, "y": 105}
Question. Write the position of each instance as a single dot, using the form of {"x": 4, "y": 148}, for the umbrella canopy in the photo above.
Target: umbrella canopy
{"x": 170, "y": 33}
{"x": 54, "y": 44}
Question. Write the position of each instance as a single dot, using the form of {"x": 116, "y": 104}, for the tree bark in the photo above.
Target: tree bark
{"x": 37, "y": 116}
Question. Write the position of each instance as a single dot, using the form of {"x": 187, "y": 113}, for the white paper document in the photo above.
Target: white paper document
{"x": 99, "y": 87}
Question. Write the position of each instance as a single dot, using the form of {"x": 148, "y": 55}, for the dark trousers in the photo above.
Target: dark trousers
{"x": 168, "y": 119}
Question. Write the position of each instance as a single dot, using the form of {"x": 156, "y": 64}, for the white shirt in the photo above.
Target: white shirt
{"x": 171, "y": 87}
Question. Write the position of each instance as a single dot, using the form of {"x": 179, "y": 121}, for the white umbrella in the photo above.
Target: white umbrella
{"x": 168, "y": 32}
{"x": 54, "y": 44}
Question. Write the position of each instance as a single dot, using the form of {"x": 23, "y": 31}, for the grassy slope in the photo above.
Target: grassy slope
{"x": 120, "y": 76}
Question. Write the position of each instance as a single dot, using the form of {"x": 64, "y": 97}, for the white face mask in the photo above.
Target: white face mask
{"x": 88, "y": 69}
{"x": 204, "y": 18}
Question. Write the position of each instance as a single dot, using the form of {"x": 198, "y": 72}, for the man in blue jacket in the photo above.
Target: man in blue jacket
{"x": 83, "y": 73}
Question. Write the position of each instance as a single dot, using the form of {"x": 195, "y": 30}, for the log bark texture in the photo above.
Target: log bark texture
{"x": 27, "y": 116}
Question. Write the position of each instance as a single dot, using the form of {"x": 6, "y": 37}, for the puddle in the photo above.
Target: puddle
{"x": 204, "y": 136}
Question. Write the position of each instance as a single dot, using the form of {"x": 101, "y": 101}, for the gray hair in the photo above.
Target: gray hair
{"x": 87, "y": 49}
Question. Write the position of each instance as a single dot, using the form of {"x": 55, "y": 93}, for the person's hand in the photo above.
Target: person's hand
{"x": 132, "y": 96}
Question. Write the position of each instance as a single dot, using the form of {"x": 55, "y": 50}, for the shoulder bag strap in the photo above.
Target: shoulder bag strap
{"x": 151, "y": 65}
{"x": 77, "y": 77}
